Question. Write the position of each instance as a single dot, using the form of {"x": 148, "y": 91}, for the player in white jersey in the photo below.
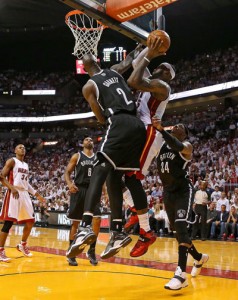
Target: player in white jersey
{"x": 152, "y": 100}
{"x": 17, "y": 209}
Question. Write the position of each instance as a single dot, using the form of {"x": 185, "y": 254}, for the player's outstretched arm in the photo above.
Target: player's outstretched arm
{"x": 175, "y": 144}
{"x": 138, "y": 81}
{"x": 39, "y": 197}
{"x": 125, "y": 65}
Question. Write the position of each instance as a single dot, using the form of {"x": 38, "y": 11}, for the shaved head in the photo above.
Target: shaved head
{"x": 90, "y": 64}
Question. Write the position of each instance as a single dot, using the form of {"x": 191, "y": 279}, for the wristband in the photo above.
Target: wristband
{"x": 147, "y": 59}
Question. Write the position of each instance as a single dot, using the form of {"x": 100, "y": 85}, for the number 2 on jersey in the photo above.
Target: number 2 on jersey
{"x": 121, "y": 92}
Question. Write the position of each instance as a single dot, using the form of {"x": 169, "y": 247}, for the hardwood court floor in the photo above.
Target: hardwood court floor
{"x": 47, "y": 274}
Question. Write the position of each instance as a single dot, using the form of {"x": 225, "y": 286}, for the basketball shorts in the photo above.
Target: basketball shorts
{"x": 76, "y": 205}
{"x": 151, "y": 149}
{"x": 123, "y": 142}
{"x": 178, "y": 203}
{"x": 19, "y": 210}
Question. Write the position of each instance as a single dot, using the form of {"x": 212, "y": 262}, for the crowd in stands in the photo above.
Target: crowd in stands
{"x": 215, "y": 160}
{"x": 12, "y": 80}
{"x": 214, "y": 135}
{"x": 203, "y": 70}
{"x": 206, "y": 69}
{"x": 72, "y": 105}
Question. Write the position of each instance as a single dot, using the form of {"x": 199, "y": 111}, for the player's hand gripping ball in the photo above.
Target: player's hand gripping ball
{"x": 164, "y": 37}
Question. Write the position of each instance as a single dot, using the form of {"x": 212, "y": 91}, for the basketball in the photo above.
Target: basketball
{"x": 164, "y": 36}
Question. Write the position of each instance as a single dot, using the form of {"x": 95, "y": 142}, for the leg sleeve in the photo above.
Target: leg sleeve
{"x": 114, "y": 189}
{"x": 137, "y": 192}
{"x": 97, "y": 180}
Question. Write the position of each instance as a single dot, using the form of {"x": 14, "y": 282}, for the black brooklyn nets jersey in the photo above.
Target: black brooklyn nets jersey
{"x": 172, "y": 168}
{"x": 114, "y": 96}
{"x": 83, "y": 169}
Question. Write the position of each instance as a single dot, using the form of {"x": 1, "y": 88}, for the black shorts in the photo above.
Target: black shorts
{"x": 123, "y": 142}
{"x": 76, "y": 205}
{"x": 178, "y": 203}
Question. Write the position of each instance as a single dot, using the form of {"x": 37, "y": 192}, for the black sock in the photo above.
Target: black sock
{"x": 92, "y": 246}
{"x": 116, "y": 226}
{"x": 183, "y": 255}
{"x": 87, "y": 220}
{"x": 193, "y": 251}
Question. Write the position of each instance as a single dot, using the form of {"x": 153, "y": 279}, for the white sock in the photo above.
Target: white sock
{"x": 144, "y": 222}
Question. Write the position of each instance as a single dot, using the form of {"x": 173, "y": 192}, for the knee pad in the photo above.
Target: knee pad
{"x": 182, "y": 235}
{"x": 7, "y": 226}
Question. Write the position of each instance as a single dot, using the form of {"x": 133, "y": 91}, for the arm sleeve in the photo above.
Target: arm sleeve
{"x": 173, "y": 143}
{"x": 138, "y": 59}
{"x": 31, "y": 190}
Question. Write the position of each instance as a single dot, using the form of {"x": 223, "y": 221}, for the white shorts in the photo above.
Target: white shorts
{"x": 19, "y": 210}
{"x": 153, "y": 144}
{"x": 151, "y": 149}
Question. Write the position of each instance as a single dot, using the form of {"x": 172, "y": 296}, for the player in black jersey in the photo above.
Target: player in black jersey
{"x": 172, "y": 162}
{"x": 81, "y": 164}
{"x": 114, "y": 105}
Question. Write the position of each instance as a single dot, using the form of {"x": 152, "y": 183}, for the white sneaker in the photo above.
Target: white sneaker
{"x": 197, "y": 265}
{"x": 178, "y": 282}
{"x": 84, "y": 237}
{"x": 3, "y": 256}
{"x": 24, "y": 249}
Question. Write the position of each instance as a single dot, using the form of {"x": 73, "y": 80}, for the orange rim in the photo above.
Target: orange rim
{"x": 79, "y": 12}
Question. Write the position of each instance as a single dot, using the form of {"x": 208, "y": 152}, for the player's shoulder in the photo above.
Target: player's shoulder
{"x": 76, "y": 156}
{"x": 11, "y": 160}
{"x": 188, "y": 144}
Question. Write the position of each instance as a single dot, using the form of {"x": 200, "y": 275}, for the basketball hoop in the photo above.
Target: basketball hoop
{"x": 87, "y": 32}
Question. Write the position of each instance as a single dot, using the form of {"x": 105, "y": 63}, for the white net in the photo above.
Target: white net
{"x": 87, "y": 33}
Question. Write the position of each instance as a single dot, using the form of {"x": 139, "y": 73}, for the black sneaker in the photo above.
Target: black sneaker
{"x": 84, "y": 237}
{"x": 92, "y": 257}
{"x": 117, "y": 241}
{"x": 72, "y": 261}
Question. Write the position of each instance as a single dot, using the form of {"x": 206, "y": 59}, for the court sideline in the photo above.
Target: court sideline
{"x": 47, "y": 274}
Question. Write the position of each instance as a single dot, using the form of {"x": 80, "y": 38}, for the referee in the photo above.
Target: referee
{"x": 201, "y": 200}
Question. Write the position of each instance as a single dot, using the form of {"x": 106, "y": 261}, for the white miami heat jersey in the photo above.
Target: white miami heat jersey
{"x": 148, "y": 106}
{"x": 20, "y": 174}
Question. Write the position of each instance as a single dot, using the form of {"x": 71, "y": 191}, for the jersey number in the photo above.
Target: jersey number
{"x": 164, "y": 167}
{"x": 121, "y": 92}
{"x": 89, "y": 172}
{"x": 24, "y": 177}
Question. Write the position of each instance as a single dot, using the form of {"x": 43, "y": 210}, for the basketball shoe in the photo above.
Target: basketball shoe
{"x": 232, "y": 237}
{"x": 3, "y": 256}
{"x": 145, "y": 240}
{"x": 117, "y": 241}
{"x": 197, "y": 265}
{"x": 132, "y": 221}
{"x": 72, "y": 261}
{"x": 92, "y": 256}
{"x": 24, "y": 249}
{"x": 84, "y": 237}
{"x": 178, "y": 282}
{"x": 224, "y": 237}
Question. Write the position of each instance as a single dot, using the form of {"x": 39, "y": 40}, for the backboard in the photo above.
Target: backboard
{"x": 137, "y": 29}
